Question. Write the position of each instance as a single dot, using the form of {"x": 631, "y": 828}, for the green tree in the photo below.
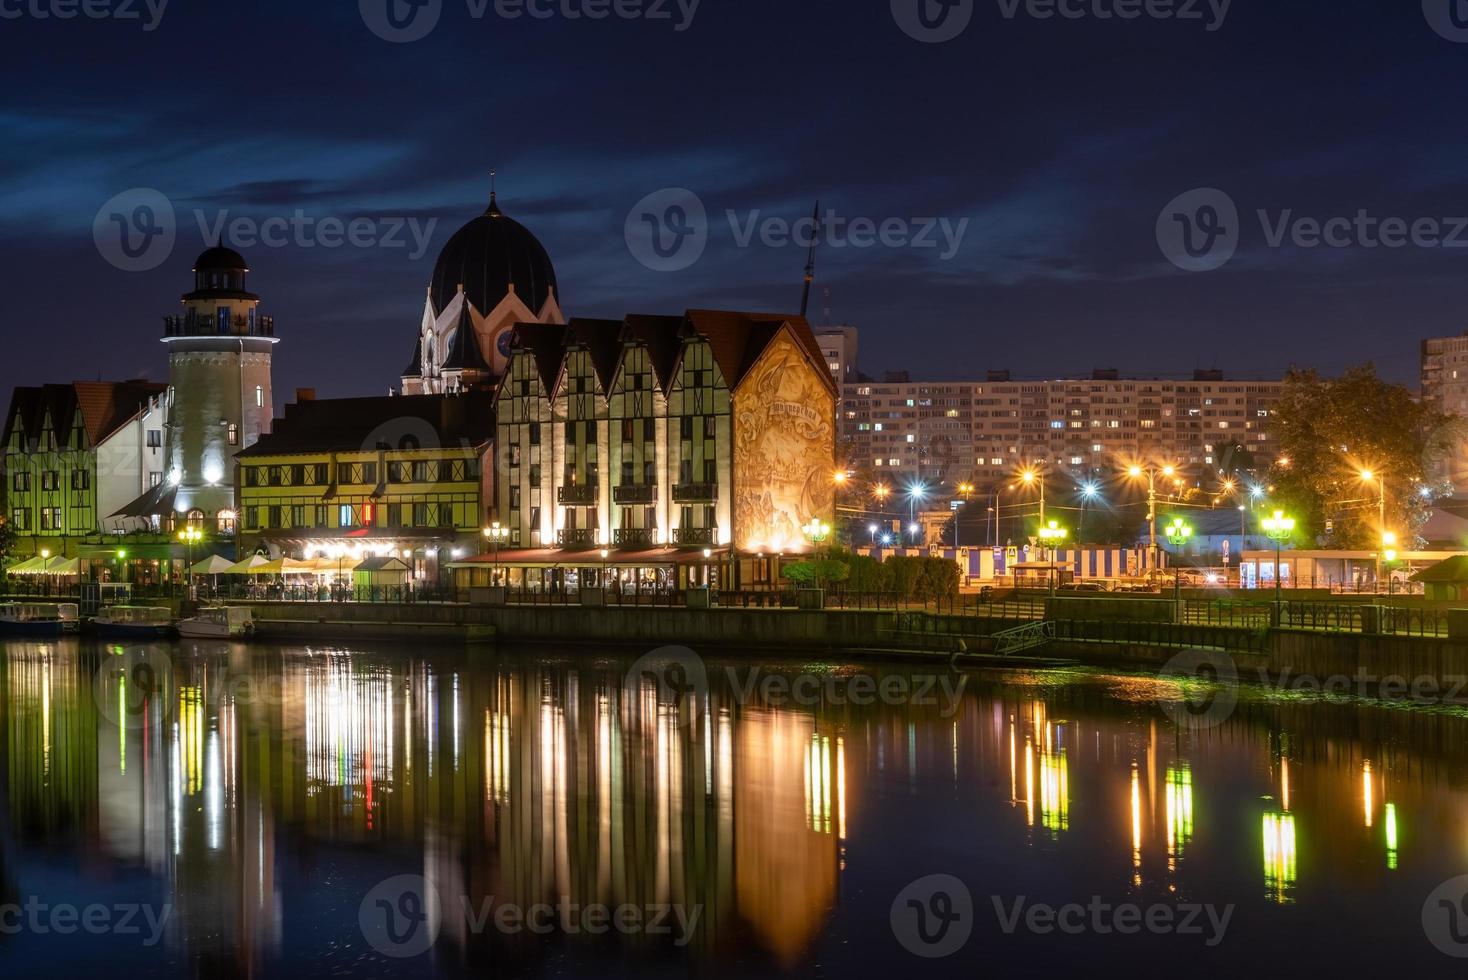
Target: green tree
{"x": 817, "y": 573}
{"x": 1329, "y": 432}
{"x": 7, "y": 540}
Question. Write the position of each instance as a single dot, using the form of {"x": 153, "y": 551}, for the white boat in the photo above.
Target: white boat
{"x": 218, "y": 623}
{"x": 134, "y": 621}
{"x": 38, "y": 618}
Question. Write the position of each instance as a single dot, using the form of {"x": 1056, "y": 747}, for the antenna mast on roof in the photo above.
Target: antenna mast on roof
{"x": 810, "y": 261}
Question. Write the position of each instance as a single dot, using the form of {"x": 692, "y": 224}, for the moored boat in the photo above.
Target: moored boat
{"x": 38, "y": 618}
{"x": 134, "y": 621}
{"x": 218, "y": 623}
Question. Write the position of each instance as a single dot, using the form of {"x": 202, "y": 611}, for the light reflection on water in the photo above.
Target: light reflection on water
{"x": 265, "y": 791}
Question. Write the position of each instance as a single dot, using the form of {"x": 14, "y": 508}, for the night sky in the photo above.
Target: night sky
{"x": 1059, "y": 141}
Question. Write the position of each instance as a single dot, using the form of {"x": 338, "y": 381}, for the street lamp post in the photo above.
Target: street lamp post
{"x": 816, "y": 531}
{"x": 1368, "y": 476}
{"x": 1279, "y": 528}
{"x": 1053, "y": 535}
{"x": 965, "y": 490}
{"x": 1029, "y": 478}
{"x": 189, "y": 536}
{"x": 1179, "y": 534}
{"x": 1387, "y": 556}
{"x": 1151, "y": 473}
{"x": 496, "y": 534}
{"x": 918, "y": 491}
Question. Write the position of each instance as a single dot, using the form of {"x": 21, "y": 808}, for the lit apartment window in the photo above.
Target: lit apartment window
{"x": 259, "y": 396}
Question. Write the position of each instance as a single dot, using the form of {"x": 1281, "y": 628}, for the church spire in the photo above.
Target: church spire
{"x": 494, "y": 207}
{"x": 810, "y": 261}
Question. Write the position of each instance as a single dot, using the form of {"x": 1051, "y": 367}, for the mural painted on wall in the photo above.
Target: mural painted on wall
{"x": 784, "y": 449}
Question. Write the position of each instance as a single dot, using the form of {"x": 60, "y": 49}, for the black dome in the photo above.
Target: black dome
{"x": 220, "y": 259}
{"x": 487, "y": 255}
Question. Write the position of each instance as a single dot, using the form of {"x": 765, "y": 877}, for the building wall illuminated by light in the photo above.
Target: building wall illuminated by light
{"x": 708, "y": 430}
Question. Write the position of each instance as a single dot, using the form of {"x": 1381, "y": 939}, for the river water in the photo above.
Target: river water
{"x": 209, "y": 809}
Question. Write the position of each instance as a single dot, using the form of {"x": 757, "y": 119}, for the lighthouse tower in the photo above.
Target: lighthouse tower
{"x": 219, "y": 399}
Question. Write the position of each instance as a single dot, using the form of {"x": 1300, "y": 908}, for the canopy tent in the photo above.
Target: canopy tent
{"x": 63, "y": 567}
{"x": 334, "y": 566}
{"x": 213, "y": 565}
{"x": 286, "y": 566}
{"x": 56, "y": 565}
{"x": 385, "y": 571}
{"x": 249, "y": 566}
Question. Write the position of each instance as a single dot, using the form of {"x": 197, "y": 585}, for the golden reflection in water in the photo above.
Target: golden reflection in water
{"x": 1136, "y": 807}
{"x": 1367, "y": 804}
{"x": 542, "y": 783}
{"x": 786, "y": 874}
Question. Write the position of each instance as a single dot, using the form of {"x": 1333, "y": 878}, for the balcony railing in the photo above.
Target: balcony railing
{"x": 579, "y": 537}
{"x": 191, "y": 325}
{"x": 577, "y": 494}
{"x": 633, "y": 536}
{"x": 692, "y": 493}
{"x": 698, "y": 536}
{"x": 635, "y": 493}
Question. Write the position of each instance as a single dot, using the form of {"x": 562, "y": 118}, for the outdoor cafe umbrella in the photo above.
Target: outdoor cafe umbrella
{"x": 31, "y": 566}
{"x": 249, "y": 566}
{"x": 213, "y": 566}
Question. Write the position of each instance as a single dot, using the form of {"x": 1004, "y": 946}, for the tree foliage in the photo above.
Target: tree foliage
{"x": 1330, "y": 431}
{"x": 7, "y": 539}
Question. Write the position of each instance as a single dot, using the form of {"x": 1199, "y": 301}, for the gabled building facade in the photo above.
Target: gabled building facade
{"x": 712, "y": 432}
{"x": 76, "y": 452}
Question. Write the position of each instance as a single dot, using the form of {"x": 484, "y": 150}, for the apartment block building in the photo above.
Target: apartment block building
{"x": 983, "y": 431}
{"x": 1445, "y": 374}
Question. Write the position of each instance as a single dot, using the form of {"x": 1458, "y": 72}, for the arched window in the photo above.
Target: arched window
{"x": 259, "y": 396}
{"x": 196, "y": 518}
{"x": 234, "y": 434}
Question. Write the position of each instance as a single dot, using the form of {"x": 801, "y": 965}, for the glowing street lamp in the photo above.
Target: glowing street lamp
{"x": 1030, "y": 476}
{"x": 1279, "y": 528}
{"x": 1368, "y": 476}
{"x": 1179, "y": 533}
{"x": 817, "y": 531}
{"x": 965, "y": 490}
{"x": 190, "y": 536}
{"x": 495, "y": 535}
{"x": 1053, "y": 536}
{"x": 1151, "y": 473}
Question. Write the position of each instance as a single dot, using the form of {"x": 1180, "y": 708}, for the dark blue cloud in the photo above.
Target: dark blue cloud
{"x": 1058, "y": 142}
